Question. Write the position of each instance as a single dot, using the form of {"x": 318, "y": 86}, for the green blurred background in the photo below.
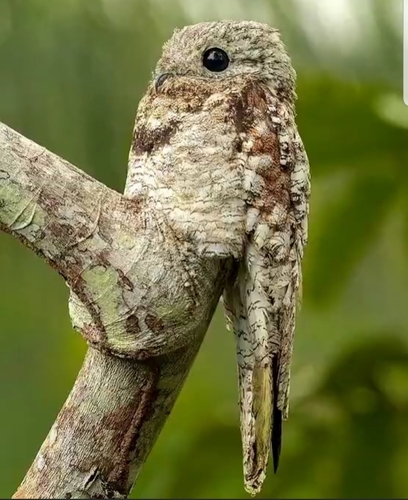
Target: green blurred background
{"x": 71, "y": 75}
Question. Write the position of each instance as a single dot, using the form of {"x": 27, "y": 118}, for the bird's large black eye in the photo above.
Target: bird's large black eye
{"x": 215, "y": 59}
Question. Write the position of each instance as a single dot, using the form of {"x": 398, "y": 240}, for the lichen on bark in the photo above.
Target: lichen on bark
{"x": 143, "y": 318}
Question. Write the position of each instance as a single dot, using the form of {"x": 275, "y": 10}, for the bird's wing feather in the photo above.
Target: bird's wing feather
{"x": 261, "y": 301}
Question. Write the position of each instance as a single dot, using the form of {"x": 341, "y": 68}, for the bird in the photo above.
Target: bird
{"x": 217, "y": 158}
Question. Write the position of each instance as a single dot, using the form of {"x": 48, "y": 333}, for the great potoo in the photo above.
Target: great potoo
{"x": 218, "y": 160}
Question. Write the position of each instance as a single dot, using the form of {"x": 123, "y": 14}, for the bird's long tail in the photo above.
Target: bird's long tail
{"x": 258, "y": 366}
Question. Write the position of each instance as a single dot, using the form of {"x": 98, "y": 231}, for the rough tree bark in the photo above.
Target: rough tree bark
{"x": 142, "y": 316}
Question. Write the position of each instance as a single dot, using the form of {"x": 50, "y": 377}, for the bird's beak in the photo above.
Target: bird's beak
{"x": 160, "y": 79}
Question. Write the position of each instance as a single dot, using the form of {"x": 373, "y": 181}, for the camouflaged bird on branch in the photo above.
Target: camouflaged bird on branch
{"x": 218, "y": 159}
{"x": 216, "y": 203}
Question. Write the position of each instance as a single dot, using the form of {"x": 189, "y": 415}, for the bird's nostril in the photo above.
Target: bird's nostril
{"x": 160, "y": 80}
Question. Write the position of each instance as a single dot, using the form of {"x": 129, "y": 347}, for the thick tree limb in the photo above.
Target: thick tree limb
{"x": 132, "y": 299}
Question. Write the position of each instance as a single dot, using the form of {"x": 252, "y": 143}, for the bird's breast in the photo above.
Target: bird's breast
{"x": 189, "y": 168}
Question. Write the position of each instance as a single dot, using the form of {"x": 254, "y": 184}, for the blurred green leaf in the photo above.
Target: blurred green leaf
{"x": 347, "y": 231}
{"x": 342, "y": 129}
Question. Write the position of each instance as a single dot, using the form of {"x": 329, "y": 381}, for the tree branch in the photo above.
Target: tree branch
{"x": 46, "y": 202}
{"x": 142, "y": 311}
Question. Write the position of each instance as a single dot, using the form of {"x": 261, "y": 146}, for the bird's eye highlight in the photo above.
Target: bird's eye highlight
{"x": 215, "y": 60}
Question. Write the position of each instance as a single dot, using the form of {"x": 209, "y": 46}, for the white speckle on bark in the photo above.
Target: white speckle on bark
{"x": 41, "y": 464}
{"x": 53, "y": 434}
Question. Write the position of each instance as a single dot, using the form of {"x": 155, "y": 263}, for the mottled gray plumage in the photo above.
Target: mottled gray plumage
{"x": 218, "y": 159}
{"x": 255, "y": 50}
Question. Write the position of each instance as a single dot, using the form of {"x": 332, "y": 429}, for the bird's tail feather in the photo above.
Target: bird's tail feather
{"x": 256, "y": 418}
{"x": 256, "y": 335}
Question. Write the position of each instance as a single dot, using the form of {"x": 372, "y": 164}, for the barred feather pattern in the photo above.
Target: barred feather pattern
{"x": 261, "y": 303}
{"x": 221, "y": 170}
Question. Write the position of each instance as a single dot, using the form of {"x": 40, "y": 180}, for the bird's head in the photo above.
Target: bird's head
{"x": 227, "y": 52}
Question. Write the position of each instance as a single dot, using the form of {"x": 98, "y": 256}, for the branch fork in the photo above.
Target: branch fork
{"x": 143, "y": 316}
